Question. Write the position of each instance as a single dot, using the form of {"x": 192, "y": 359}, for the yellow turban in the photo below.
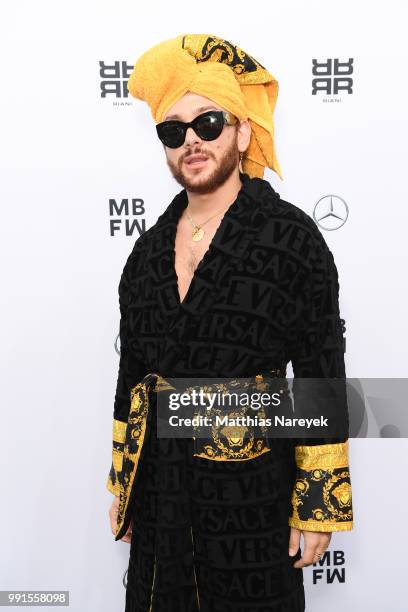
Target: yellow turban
{"x": 217, "y": 69}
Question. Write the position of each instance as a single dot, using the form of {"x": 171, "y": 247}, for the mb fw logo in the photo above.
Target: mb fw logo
{"x": 125, "y": 216}
{"x": 330, "y": 568}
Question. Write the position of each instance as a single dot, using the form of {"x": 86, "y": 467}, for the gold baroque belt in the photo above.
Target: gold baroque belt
{"x": 226, "y": 444}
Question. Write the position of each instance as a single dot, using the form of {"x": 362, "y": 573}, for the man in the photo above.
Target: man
{"x": 231, "y": 281}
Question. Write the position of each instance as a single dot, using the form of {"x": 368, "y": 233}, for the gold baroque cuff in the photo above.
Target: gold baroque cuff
{"x": 118, "y": 442}
{"x": 321, "y": 497}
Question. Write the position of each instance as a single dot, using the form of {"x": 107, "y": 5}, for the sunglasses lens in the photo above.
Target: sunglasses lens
{"x": 209, "y": 126}
{"x": 171, "y": 135}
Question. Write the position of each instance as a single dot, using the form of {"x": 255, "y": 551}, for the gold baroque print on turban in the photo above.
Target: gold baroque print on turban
{"x": 216, "y": 49}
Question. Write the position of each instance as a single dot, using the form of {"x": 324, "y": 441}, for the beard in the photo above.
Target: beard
{"x": 210, "y": 182}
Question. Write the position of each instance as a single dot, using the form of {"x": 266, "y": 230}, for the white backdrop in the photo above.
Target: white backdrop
{"x": 66, "y": 151}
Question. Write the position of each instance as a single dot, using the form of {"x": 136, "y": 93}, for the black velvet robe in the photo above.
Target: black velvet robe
{"x": 265, "y": 293}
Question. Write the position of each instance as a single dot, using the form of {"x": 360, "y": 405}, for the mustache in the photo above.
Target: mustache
{"x": 195, "y": 152}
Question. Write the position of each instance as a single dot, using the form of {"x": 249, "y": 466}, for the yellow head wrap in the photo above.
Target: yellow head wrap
{"x": 217, "y": 69}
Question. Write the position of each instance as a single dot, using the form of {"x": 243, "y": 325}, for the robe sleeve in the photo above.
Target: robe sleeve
{"x": 131, "y": 370}
{"x": 321, "y": 495}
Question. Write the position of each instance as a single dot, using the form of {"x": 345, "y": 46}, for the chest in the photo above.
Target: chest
{"x": 189, "y": 252}
{"x": 199, "y": 291}
{"x": 224, "y": 304}
{"x": 233, "y": 318}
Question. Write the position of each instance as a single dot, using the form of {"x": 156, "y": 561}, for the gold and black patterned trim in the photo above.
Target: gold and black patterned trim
{"x": 132, "y": 436}
{"x": 118, "y": 441}
{"x": 321, "y": 496}
{"x": 135, "y": 434}
{"x": 204, "y": 47}
{"x": 234, "y": 450}
{"x": 235, "y": 442}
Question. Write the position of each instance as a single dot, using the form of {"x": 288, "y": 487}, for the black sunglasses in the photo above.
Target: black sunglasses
{"x": 208, "y": 126}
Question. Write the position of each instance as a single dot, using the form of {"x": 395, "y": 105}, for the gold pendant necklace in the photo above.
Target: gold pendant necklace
{"x": 198, "y": 232}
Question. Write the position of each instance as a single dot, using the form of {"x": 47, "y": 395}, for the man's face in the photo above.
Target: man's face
{"x": 222, "y": 155}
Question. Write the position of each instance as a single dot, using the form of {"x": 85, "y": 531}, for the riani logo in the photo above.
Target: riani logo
{"x": 125, "y": 217}
{"x": 114, "y": 80}
{"x": 331, "y": 568}
{"x": 332, "y": 77}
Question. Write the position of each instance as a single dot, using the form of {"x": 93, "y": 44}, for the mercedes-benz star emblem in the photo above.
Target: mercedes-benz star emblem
{"x": 330, "y": 212}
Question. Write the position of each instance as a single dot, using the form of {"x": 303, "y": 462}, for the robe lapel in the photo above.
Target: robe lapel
{"x": 239, "y": 226}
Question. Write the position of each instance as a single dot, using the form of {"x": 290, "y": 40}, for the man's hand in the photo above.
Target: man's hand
{"x": 314, "y": 542}
{"x": 113, "y": 515}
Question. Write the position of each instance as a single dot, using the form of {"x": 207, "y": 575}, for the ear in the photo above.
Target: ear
{"x": 243, "y": 134}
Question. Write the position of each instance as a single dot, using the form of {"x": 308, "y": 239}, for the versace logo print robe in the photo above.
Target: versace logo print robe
{"x": 211, "y": 533}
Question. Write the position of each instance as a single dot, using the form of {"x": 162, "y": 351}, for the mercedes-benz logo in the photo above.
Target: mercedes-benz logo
{"x": 330, "y": 212}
